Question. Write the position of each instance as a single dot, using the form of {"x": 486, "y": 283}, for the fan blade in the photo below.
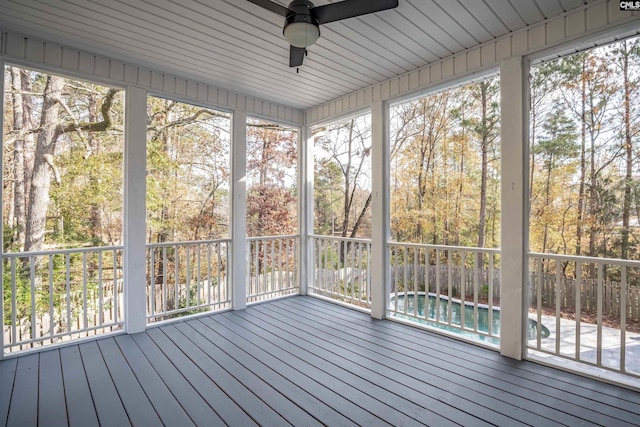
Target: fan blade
{"x": 296, "y": 56}
{"x": 273, "y": 7}
{"x": 350, "y": 8}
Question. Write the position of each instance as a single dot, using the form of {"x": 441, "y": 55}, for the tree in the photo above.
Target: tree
{"x": 347, "y": 145}
{"x": 327, "y": 179}
{"x": 486, "y": 127}
{"x": 188, "y": 163}
{"x": 555, "y": 146}
{"x": 35, "y": 164}
{"x": 625, "y": 54}
{"x": 272, "y": 176}
{"x": 444, "y": 174}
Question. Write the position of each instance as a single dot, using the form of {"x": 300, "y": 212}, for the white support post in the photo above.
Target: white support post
{"x": 514, "y": 93}
{"x": 238, "y": 210}
{"x": 135, "y": 156}
{"x": 1, "y": 222}
{"x": 305, "y": 209}
{"x": 380, "y": 225}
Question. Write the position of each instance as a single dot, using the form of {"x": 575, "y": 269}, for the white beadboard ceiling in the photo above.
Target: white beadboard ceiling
{"x": 237, "y": 45}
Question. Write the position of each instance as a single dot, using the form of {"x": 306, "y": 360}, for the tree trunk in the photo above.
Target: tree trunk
{"x": 358, "y": 222}
{"x": 41, "y": 180}
{"x": 347, "y": 183}
{"x": 23, "y": 154}
{"x": 583, "y": 155}
{"x": 626, "y": 204}
{"x": 547, "y": 200}
{"x": 594, "y": 202}
{"x": 485, "y": 163}
{"x": 97, "y": 234}
{"x": 29, "y": 139}
{"x": 19, "y": 205}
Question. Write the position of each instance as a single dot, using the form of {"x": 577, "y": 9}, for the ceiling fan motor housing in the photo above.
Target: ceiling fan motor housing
{"x": 301, "y": 28}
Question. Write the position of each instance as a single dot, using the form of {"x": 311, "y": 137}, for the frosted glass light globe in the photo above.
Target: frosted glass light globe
{"x": 301, "y": 34}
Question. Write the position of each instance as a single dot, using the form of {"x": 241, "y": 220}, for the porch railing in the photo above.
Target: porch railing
{"x": 447, "y": 287}
{"x": 59, "y": 295}
{"x": 591, "y": 307}
{"x": 272, "y": 267}
{"x": 186, "y": 278}
{"x": 342, "y": 269}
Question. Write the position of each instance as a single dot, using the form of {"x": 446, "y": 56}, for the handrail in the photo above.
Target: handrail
{"x": 560, "y": 257}
{"x": 342, "y": 239}
{"x": 188, "y": 242}
{"x": 60, "y": 251}
{"x": 446, "y": 248}
{"x": 284, "y": 236}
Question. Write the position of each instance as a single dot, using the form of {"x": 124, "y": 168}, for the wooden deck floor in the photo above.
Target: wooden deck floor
{"x": 298, "y": 361}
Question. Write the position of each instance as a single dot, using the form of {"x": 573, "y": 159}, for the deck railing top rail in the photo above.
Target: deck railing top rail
{"x": 597, "y": 260}
{"x": 446, "y": 248}
{"x": 339, "y": 238}
{"x": 61, "y": 251}
{"x": 284, "y": 236}
{"x": 188, "y": 242}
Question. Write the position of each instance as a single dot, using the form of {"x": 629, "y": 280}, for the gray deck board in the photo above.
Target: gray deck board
{"x": 297, "y": 361}
{"x": 194, "y": 405}
{"x": 237, "y": 391}
{"x": 308, "y": 382}
{"x": 410, "y": 402}
{"x": 109, "y": 406}
{"x": 50, "y": 378}
{"x": 449, "y": 388}
{"x": 160, "y": 396}
{"x": 493, "y": 370}
{"x": 270, "y": 395}
{"x": 248, "y": 356}
{"x": 7, "y": 376}
{"x": 514, "y": 401}
{"x": 80, "y": 408}
{"x": 24, "y": 401}
{"x": 226, "y": 408}
{"x": 349, "y": 388}
{"x": 429, "y": 391}
{"x": 134, "y": 399}
{"x": 561, "y": 387}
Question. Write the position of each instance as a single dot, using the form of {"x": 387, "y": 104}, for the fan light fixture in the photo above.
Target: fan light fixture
{"x": 301, "y": 34}
{"x": 302, "y": 19}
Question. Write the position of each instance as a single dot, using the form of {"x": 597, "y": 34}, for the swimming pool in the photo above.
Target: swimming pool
{"x": 443, "y": 310}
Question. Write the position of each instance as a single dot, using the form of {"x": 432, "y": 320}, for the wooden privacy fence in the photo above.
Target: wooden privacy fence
{"x": 588, "y": 294}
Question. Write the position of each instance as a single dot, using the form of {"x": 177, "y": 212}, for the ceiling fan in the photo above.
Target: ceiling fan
{"x": 303, "y": 19}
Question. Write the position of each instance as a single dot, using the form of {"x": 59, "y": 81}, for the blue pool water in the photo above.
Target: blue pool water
{"x": 443, "y": 310}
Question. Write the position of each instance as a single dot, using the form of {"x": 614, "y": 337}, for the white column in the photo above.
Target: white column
{"x": 135, "y": 156}
{"x": 238, "y": 210}
{"x": 305, "y": 208}
{"x": 514, "y": 93}
{"x": 1, "y": 222}
{"x": 380, "y": 225}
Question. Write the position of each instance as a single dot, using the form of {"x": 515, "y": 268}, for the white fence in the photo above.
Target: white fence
{"x": 272, "y": 267}
{"x": 342, "y": 269}
{"x": 186, "y": 278}
{"x": 59, "y": 295}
